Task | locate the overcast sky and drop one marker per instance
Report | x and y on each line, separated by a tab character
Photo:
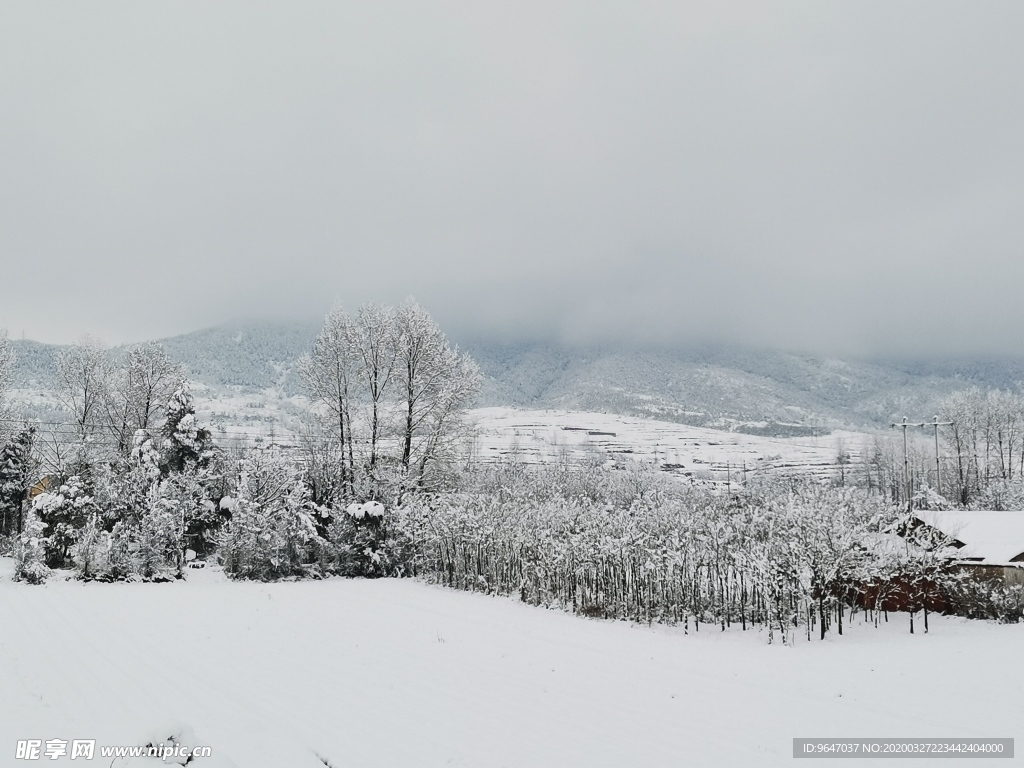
842	177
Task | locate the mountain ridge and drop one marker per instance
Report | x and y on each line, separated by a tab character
764	391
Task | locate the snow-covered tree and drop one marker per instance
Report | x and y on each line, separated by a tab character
323	460
30	551
140	519
829	530
196	492
928	498
921	566
271	533
160	536
64	513
139	391
436	384
329	373
986	439
1000	495
7	359
185	442
388	374
83	379
122	487
373	337
16	469
361	542
147	544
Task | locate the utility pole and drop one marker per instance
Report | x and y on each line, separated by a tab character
906	461
938	478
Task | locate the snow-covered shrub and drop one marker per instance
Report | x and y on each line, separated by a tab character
271	533
928	498
370	511
64	514
980	598
629	545
91	550
136	527
30	552
1006	603
147	548
121	560
1000	495
160	549
362	540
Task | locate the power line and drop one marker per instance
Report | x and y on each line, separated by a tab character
906	459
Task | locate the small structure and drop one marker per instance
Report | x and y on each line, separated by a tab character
43	486
989	543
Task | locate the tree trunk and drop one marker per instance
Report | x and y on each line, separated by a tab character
407	446
821	613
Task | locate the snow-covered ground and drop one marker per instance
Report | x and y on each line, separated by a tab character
398	673
237	416
696	452
548	435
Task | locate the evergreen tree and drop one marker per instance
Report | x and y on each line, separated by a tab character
160	553
185	442
15	474
65	514
196	492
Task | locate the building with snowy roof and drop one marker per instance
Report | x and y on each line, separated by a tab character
990	542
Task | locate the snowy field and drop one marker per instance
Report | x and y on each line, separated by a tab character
237	418
399	673
694	452
537	436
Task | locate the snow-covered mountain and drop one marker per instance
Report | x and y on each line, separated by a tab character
758	391
765	391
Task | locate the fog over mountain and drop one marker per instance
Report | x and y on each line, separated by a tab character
754	390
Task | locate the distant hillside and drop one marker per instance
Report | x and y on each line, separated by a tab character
758	391
35	364
764	391
254	356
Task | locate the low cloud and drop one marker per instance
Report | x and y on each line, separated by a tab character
838	177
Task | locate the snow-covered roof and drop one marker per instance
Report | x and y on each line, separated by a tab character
989	537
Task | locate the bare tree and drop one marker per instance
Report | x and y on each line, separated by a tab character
373	339
986	439
139	391
960	409
83	375
1006	407
7	359
436	381
328	373
323	460
400	364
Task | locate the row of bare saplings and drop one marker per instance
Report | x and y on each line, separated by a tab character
791	562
